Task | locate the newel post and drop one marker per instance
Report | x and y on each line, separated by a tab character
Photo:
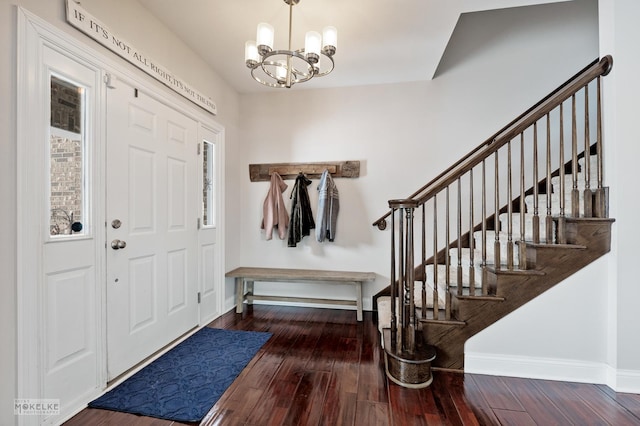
403	328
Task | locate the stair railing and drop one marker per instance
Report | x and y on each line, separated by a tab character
459	262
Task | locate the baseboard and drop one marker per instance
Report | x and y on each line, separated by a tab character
626	381
537	368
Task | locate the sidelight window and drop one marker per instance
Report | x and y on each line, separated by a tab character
208	183
67	151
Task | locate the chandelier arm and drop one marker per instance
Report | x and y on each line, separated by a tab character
265	82
305	76
329	69
299	76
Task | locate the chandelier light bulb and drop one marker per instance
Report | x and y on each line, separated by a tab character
329	40
251	56
264	38
312	42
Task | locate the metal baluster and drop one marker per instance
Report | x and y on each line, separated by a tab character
575	194
536	218
436	307
483	241
521	245
560	232
600	194
410	282
509	210
459	271
401	282
588	195
472	275
496	217
447	258
394	321
423	292
548	221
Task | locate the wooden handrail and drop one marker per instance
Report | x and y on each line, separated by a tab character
597	68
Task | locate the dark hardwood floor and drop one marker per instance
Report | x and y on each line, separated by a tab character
321	367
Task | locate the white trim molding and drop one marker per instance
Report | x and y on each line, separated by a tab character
626	381
558	369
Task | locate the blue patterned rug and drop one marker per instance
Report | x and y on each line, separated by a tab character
183	384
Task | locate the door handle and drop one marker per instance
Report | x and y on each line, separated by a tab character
118	244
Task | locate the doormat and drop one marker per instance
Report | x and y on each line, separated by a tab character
183	384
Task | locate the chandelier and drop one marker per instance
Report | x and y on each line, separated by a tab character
284	68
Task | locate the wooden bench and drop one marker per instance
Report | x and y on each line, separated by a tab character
248	276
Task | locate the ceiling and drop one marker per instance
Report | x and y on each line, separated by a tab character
379	41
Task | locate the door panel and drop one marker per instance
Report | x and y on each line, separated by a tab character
142	203
152	254
142	293
177	273
69	340
177	192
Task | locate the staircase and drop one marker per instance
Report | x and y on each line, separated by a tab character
511	219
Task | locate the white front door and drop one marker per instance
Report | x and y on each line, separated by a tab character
208	236
63	162
152	226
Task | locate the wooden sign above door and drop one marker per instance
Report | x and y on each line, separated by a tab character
83	21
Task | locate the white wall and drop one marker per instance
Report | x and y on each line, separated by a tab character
7	215
601	329
134	24
618	36
497	64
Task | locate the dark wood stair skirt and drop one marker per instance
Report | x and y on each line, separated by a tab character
409	370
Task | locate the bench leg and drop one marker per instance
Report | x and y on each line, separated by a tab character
239	294
250	291
358	300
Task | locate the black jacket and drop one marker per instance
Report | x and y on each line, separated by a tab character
301	221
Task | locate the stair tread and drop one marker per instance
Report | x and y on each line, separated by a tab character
515	235
589	219
441	317
562	246
504	271
477	297
443	321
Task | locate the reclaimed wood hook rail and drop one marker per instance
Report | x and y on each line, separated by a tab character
338	169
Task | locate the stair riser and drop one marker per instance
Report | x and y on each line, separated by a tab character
589	233
528	224
464	309
555	203
490	248
454	276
